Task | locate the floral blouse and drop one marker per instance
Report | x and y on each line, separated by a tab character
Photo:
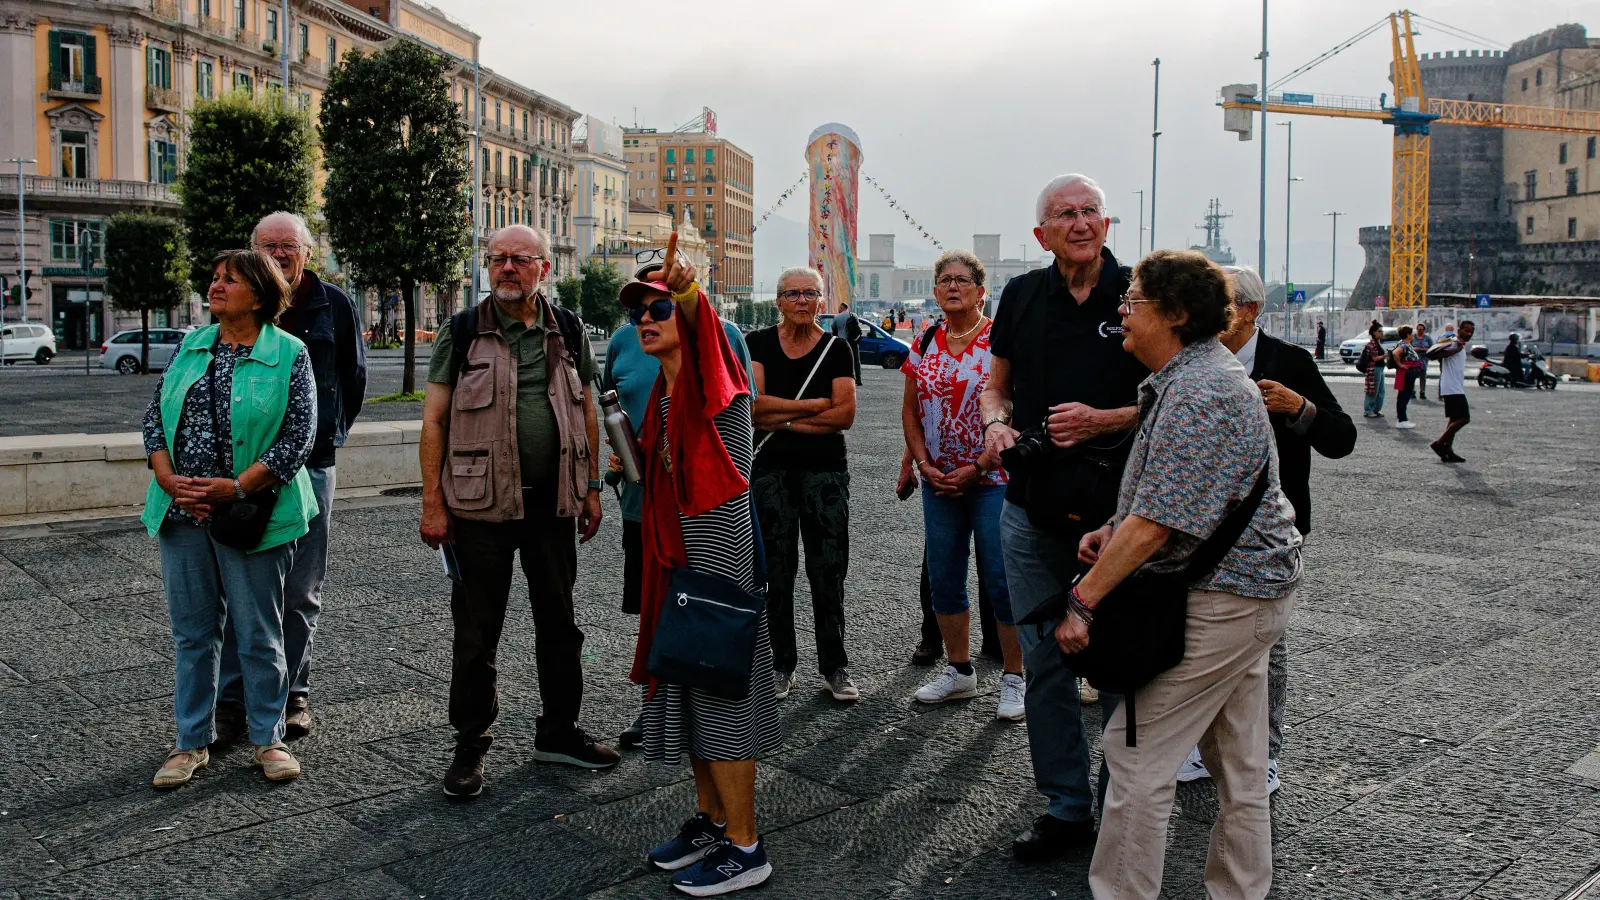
204	448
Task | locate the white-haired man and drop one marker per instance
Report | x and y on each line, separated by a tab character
325	319
1059	372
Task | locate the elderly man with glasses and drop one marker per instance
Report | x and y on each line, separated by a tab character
510	468
325	320
806	399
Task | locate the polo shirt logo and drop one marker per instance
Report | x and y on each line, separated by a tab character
1107	329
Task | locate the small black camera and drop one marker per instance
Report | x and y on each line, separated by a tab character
1031	446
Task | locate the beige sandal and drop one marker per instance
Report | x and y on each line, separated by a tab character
171	774
276	769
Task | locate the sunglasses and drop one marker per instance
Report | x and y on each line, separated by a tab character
659	310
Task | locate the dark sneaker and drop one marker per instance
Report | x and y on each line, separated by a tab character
1051	837
572	746
231	724
296	718
1453	457
695	839
1440	449
842	688
724	870
926	654
633	737
464	778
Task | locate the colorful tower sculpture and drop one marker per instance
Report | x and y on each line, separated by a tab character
834	154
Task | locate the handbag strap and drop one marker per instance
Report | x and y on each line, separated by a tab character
1209	554
765	435
216	426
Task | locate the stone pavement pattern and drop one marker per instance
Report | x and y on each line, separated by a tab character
1444	712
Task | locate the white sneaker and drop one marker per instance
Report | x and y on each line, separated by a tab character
1193	768
1405	424
1272	777
952	685
1086	693
1013	691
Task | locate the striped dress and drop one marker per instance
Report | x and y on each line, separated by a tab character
721	542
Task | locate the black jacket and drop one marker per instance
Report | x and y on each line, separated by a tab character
331	330
1332	434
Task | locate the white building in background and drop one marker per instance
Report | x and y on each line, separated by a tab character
881	284
600	207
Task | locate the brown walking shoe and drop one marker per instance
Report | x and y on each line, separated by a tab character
180	766
296	718
280	767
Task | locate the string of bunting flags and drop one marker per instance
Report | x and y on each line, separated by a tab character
781	197
895	205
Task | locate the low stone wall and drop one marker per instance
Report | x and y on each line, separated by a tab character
72	473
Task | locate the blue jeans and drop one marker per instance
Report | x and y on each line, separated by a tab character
950	525
1373	404
212	588
1039	566
302	599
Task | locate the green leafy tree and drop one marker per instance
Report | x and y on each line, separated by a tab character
247	157
569	291
145	268
602	286
396	198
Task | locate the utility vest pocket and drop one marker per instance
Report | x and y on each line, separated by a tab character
469	474
476	385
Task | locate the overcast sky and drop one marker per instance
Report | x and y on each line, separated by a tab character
966	108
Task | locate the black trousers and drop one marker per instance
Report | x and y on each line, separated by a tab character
855	356
548	549
931	636
792	505
632	566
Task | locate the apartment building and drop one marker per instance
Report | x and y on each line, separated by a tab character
600	210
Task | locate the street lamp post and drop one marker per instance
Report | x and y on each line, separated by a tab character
1333	282
1288	218
1261	245
1141	223
22	253
1155	140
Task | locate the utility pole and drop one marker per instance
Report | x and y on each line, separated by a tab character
1288	218
22	255
1261	244
285	16
1141	223
477	176
1155	140
1333	282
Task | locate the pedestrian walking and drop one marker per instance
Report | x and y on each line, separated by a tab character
805	400
1203	463
227	434
1406	362
847	327
1370	363
697	517
324	319
1061	388
1305	416
1453	389
1423	343
1322	340
631	372
510	469
962	498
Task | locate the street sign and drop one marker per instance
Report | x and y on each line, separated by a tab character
1298	297
1483	301
1380	302
85	251
1298	98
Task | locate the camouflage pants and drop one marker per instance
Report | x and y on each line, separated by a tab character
814	506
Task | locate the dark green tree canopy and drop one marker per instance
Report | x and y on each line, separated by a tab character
145	264
247	157
602	287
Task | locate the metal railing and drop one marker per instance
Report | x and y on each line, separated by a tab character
213	26
313	64
247	37
83	86
90	189
162	9
165	99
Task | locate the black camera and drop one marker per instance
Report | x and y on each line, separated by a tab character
1031	447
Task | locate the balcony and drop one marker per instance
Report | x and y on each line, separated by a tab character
502	181
247	37
213	26
86	87
163	99
669	177
270	48
313	65
708	231
709	178
162	9
91	190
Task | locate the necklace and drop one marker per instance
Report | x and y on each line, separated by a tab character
964	334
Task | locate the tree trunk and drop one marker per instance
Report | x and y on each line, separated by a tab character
408	288
144	341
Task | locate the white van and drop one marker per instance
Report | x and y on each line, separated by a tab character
24	340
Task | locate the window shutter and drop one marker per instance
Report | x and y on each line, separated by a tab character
150	65
150	160
88	42
55	51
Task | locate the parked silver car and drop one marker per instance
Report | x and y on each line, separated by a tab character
121	352
25	340
1349	350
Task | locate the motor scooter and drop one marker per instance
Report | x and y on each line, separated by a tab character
1493	374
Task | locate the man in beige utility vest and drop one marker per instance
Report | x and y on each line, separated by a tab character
509	468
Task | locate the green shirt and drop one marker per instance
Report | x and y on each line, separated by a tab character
537	440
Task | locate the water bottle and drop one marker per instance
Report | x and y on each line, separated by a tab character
620	430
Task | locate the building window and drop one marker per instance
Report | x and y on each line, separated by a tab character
272	25
708	214
671	191
512	167
243	82
1591	150
524	124
65	234
163	162
71	60
688	156
1528	229
74	154
1524	85
652	193
1530	185
1572	182
205	85
710	157
672	211
1562	154
1572	229
303	100
333	51
497	114
872	282
1538	77
158	68
238	13
203	7
689	191
652	157
305	40
671	155
497	161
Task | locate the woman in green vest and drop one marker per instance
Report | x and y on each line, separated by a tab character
235	414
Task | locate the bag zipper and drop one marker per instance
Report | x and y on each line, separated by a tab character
683	600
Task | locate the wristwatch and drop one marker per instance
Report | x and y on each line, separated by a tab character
1003	420
594	484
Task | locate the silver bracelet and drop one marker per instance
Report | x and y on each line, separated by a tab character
238	490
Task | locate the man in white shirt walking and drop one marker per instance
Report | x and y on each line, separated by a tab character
1453	389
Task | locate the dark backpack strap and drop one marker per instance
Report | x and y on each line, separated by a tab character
928	333
1209	554
462	323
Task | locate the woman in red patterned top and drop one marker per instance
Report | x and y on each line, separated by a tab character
947	369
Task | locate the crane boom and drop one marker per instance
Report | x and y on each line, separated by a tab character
1472	113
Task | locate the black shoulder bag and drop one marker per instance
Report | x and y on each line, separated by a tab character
240	524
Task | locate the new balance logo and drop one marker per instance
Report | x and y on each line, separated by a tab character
704	840
730	869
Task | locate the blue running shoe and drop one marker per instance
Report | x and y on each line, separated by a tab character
695	839
724	870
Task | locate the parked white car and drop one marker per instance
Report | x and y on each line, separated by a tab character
1349	350
121	352
25	340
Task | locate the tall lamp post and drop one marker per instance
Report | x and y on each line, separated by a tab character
1288	217
1155	141
1141	223
1261	244
22	258
1333	282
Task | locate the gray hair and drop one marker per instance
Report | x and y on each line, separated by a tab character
1247	285
1061	181
302	231
802	272
539	235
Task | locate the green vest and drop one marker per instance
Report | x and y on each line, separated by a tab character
260	398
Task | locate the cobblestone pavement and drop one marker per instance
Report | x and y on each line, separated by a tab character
1444	704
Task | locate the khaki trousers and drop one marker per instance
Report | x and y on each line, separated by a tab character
1216	698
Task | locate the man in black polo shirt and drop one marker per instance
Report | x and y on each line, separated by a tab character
1059	363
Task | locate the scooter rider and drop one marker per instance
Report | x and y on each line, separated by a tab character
1513	358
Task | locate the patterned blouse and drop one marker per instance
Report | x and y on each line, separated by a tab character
205	448
947	399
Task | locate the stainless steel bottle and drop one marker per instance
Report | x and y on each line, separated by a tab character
620	430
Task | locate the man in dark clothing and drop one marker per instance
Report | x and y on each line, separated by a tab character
1513	358
325	319
1322	340
847	328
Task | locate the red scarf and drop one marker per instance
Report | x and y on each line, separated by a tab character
709	378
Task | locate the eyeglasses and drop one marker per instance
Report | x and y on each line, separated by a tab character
280	247
659	310
1090	214
1128	302
644	256
955	281
520	260
795	296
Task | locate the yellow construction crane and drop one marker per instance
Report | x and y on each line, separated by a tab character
1411	114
